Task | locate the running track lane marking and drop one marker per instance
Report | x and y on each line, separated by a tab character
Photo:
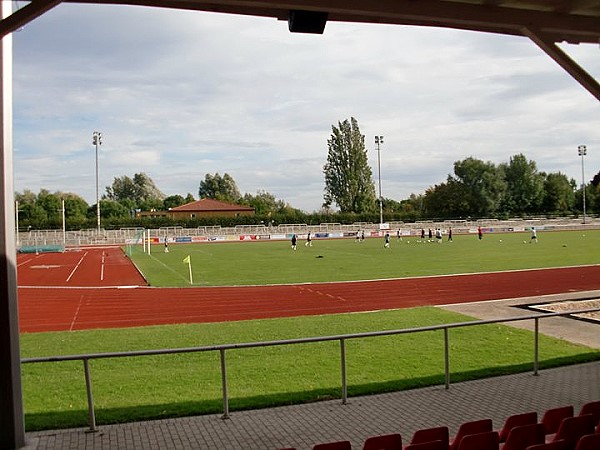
76	313
316	291
77	266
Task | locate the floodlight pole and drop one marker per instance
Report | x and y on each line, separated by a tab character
378	142
582	150
64	228
97	141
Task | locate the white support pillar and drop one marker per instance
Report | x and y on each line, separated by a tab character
12	428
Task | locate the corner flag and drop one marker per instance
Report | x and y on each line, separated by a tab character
188	261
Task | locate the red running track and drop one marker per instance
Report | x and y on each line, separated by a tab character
79	308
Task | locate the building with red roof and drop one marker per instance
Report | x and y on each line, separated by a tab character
206	207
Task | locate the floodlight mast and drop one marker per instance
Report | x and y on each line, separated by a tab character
378	142
582	151
97	141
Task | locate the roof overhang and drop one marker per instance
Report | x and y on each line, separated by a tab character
545	22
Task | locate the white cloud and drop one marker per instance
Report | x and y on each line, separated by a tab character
179	94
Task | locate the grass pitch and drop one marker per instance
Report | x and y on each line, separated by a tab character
259	263
131	389
150	387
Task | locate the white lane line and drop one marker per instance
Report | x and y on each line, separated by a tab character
77	266
102	268
76	313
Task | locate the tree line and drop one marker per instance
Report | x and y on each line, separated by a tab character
475	189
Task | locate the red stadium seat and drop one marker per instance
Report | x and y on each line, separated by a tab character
572	428
556	445
589	442
553	417
525	436
481	441
432	434
592	408
384	442
431	445
517	420
474	427
339	445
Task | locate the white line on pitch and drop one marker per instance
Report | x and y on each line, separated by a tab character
78	264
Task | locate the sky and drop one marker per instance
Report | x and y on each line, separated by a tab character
181	94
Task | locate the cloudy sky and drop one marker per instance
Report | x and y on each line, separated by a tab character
179	94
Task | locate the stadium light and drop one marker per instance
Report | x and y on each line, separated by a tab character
582	150
378	142
97	141
64	228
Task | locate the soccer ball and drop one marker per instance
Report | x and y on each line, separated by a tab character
500	240
524	242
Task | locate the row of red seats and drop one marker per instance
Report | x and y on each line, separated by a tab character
559	429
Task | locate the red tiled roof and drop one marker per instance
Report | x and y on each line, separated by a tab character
208	204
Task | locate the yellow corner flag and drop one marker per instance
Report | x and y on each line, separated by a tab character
188	261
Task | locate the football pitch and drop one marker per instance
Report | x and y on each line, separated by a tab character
153	387
329	260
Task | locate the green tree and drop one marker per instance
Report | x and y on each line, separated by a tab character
348	177
189	198
449	199
50	203
173	201
134	191
219	188
483	186
264	203
524	186
110	209
594	190
559	194
30	212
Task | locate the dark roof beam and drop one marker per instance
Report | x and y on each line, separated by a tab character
26	14
568	64
492	16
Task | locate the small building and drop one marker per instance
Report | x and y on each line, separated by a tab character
206	207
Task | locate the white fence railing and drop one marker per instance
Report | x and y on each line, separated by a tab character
74	239
222	349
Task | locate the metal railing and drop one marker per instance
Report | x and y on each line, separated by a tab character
222	349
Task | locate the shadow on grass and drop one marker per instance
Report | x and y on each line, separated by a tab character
104	416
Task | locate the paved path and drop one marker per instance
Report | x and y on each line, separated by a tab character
302	426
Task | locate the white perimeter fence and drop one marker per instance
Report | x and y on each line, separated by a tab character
222	349
123	236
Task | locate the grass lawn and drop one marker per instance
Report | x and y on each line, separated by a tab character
257	263
130	389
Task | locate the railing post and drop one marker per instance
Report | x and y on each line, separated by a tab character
90	396
224	384
536	346
343	363
446	358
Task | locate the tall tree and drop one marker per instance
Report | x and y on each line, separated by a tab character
483	185
219	188
134	192
173	201
449	199
559	194
348	176
264	203
524	185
